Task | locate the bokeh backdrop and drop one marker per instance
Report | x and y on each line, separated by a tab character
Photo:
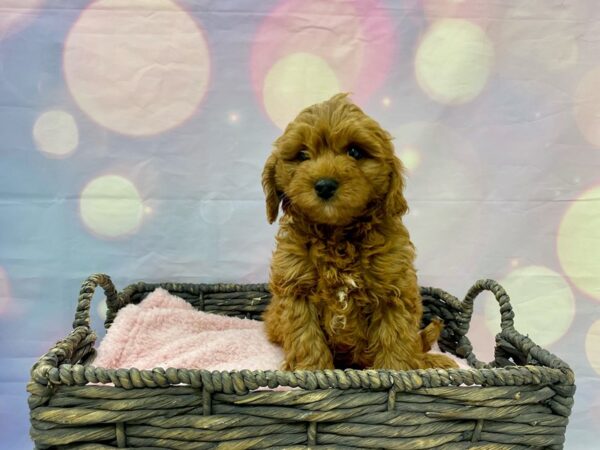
133	133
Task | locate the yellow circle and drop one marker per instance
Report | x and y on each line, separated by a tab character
55	133
592	346
578	242
410	157
453	61
137	67
294	82
110	206
542	301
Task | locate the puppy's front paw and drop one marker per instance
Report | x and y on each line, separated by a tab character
322	362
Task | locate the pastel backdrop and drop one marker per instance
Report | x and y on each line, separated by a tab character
133	134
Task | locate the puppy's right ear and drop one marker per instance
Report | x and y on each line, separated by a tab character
269	187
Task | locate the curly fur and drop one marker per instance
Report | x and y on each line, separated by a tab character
345	290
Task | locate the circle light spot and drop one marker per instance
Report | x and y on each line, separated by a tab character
539	297
592	346
578	242
294	82
410	157
355	38
55	133
453	61
101	309
110	206
136	67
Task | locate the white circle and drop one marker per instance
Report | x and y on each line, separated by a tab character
55	133
592	346
101	309
111	206
542	301
578	242
453	61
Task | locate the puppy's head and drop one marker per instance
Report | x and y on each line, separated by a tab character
332	164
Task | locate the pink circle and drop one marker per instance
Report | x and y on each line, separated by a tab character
356	38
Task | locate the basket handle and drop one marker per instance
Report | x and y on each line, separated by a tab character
506	315
82	315
506	312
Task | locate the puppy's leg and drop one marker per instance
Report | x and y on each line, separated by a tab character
296	327
396	344
393	339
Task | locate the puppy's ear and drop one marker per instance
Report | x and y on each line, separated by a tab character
269	187
395	203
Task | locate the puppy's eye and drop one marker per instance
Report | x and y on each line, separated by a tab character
354	151
302	155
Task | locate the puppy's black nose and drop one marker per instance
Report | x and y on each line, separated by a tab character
326	187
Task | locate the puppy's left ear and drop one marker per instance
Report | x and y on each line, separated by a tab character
395	203
270	188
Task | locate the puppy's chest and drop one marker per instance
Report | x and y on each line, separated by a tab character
336	264
341	292
342	281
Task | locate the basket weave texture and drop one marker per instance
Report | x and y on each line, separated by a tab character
521	400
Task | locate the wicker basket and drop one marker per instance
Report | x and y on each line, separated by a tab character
521	400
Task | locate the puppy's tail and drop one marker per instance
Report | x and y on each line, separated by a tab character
429	336
431	333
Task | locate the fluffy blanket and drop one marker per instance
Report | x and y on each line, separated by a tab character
166	331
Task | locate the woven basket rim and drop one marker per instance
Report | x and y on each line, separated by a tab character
55	368
242	381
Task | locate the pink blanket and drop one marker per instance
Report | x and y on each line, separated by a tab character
166	331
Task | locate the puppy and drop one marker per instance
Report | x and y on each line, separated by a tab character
345	292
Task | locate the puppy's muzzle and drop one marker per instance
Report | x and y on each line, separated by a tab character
326	187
